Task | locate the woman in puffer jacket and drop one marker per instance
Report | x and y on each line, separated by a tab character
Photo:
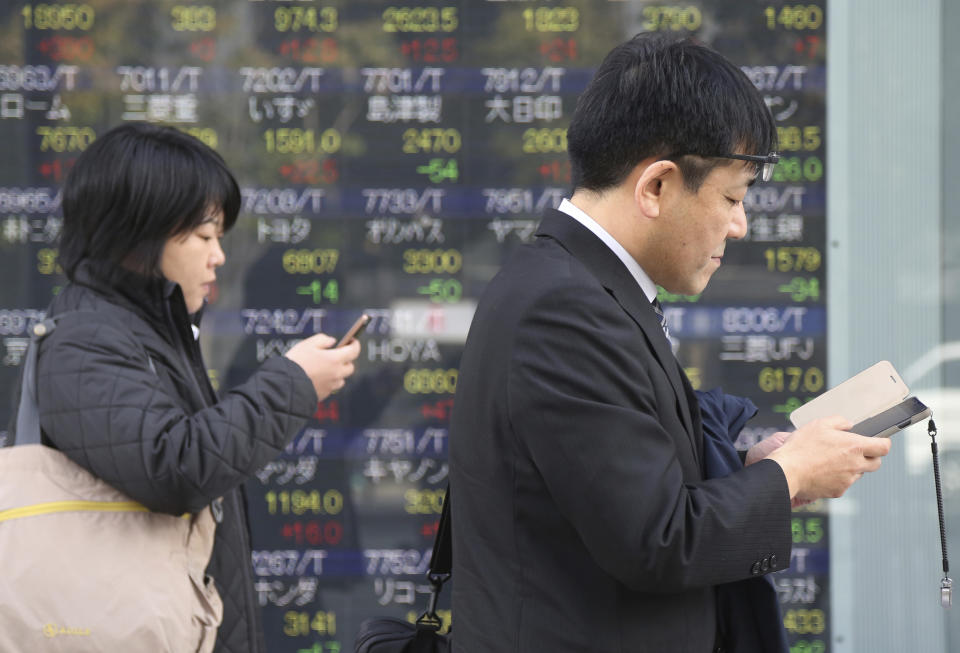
123	390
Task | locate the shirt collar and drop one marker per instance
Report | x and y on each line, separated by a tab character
645	282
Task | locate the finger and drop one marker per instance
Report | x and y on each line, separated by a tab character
323	341
838	422
780	438
349	351
773	441
873	447
338	356
353	349
872	464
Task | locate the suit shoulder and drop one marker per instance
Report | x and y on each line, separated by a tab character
544	265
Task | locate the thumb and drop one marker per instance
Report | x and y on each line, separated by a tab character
322	341
838	422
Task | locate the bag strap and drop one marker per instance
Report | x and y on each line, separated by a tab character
27	430
441	564
28	416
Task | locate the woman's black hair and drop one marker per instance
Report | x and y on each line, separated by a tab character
654	96
134	188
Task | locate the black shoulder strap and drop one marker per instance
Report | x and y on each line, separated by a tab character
440	566
442	560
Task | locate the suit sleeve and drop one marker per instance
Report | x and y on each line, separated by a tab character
102	406
582	403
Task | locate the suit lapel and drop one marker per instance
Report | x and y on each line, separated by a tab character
614	276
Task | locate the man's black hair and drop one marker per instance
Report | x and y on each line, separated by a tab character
135	187
659	97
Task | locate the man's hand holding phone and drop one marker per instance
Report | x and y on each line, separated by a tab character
822	459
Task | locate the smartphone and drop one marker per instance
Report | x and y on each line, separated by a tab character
352	332
861	396
909	411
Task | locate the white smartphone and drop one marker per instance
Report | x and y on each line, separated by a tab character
863	395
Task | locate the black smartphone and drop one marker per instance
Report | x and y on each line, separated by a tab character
354	330
882	425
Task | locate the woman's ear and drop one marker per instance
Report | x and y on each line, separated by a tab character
649	188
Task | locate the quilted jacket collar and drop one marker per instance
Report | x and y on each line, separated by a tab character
148	297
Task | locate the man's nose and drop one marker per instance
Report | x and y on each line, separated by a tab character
738	226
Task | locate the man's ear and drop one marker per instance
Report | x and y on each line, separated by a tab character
648	190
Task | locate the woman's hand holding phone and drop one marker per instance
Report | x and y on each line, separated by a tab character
327	366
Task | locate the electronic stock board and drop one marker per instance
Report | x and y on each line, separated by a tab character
390	156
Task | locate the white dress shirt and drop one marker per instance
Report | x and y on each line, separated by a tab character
646	283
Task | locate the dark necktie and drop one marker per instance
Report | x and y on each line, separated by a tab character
658	308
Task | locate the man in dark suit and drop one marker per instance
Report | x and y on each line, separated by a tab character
582	519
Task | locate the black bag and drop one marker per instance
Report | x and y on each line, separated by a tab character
390	635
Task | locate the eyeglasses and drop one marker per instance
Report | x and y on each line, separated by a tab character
765	164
